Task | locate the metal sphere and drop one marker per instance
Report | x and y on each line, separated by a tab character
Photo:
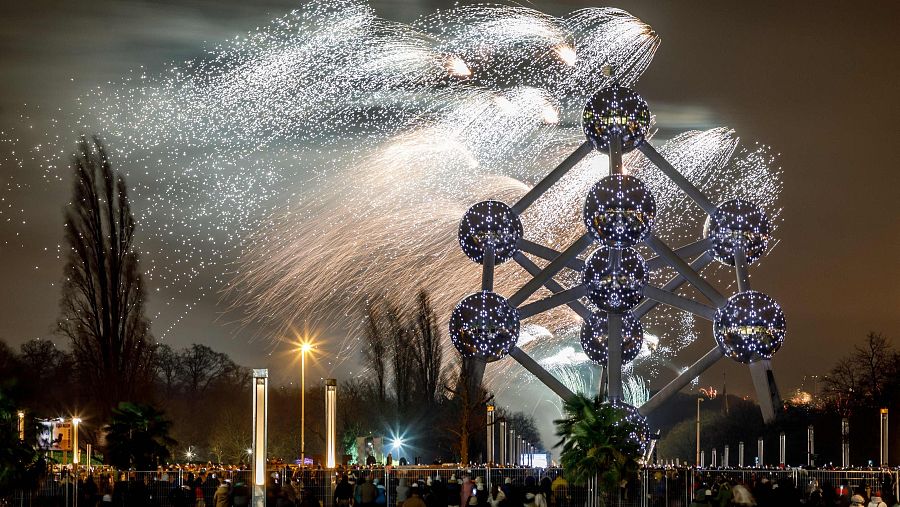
619	210
485	326
490	223
615	287
737	222
595	335
616	110
641	433
750	327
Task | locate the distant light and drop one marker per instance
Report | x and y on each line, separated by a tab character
457	67
249	450
306	347
76	420
566	53
398	442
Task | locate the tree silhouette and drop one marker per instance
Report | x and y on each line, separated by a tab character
103	291
138	437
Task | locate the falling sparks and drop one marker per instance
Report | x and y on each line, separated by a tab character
326	159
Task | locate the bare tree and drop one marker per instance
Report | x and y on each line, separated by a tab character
429	355
864	378
103	291
168	365
200	367
375	350
468	407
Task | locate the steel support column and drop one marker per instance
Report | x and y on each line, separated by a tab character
682	380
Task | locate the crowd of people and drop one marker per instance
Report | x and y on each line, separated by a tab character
452	487
725	491
361	490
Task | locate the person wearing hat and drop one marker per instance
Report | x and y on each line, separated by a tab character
876	500
857	501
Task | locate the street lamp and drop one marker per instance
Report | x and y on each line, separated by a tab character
304	348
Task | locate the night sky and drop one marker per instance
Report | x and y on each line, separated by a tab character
817	81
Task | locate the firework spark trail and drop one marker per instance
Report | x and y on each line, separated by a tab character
389	228
332	153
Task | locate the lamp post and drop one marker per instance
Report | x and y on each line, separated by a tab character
304	348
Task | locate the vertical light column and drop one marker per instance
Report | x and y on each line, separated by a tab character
702	463
740	455
513	458
490	434
810	446
760	454
884	437
502	436
845	443
782	449
521	448
330	422
712	459
76	454
725	456
260	427
21	425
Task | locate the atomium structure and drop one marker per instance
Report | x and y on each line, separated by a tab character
614	292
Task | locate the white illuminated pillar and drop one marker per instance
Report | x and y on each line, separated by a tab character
260	424
884	436
330	422
490	435
502	434
76	454
21	425
760	448
740	455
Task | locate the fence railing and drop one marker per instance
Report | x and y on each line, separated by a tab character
653	486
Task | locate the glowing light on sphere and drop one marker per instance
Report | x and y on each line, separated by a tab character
619	210
595	336
616	110
615	287
490	223
750	327
485	326
738	222
641	433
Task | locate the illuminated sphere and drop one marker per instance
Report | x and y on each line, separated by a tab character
483	325
641	433
619	210
490	223
737	222
595	333
616	110
615	288
750	327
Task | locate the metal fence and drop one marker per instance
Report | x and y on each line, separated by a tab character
654	487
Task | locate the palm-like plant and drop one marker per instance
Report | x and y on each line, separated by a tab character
597	441
138	437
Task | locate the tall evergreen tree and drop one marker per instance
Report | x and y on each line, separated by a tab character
103	291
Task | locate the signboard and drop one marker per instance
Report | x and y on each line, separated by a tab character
55	435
